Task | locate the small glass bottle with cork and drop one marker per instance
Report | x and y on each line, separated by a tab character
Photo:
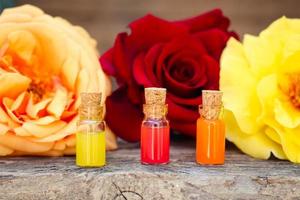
90	136
155	130
210	141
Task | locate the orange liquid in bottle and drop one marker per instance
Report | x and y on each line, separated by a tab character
210	146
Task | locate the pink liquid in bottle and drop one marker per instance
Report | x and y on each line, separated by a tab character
155	145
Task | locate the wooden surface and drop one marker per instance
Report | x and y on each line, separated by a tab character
125	178
105	18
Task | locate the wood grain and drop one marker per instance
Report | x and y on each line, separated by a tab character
124	177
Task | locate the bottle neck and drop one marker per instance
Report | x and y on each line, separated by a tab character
211	112
155	111
91	113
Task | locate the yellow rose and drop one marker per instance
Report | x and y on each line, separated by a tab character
260	79
45	63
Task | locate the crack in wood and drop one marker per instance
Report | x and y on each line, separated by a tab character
262	180
119	189
122	192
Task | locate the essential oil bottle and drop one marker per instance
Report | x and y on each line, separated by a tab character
155	130
90	137
210	145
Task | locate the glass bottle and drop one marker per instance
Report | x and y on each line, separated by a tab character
90	137
155	130
210	144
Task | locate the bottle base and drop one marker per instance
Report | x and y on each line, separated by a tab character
210	163
155	163
90	165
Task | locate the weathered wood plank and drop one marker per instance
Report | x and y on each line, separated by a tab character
240	178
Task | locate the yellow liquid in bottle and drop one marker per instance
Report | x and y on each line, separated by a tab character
90	149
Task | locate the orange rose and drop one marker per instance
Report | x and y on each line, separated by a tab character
45	63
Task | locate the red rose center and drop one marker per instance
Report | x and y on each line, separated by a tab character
182	71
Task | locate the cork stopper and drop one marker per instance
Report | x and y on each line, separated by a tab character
155	106
211	97
91	108
155	111
155	95
211	104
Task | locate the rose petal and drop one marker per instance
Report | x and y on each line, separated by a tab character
5	151
150	30
67	130
19	105
7	103
71	100
121	60
3	50
185	42
245	105
59	145
181	113
211	19
185	47
3	129
123	66
69	72
33	109
87	62
144	34
194	63
58	103
21	144
107	63
273	135
127	128
152	68
44	63
70	140
213	72
183	70
105	85
214	41
70	151
4	118
44	130
44	120
23	43
12	89
286	114
194	101
21	131
25	9
139	71
53	153
111	139
290	143
81	86
179	88
256	144
67	115
256	51
267	91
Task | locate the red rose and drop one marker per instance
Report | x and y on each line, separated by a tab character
182	56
